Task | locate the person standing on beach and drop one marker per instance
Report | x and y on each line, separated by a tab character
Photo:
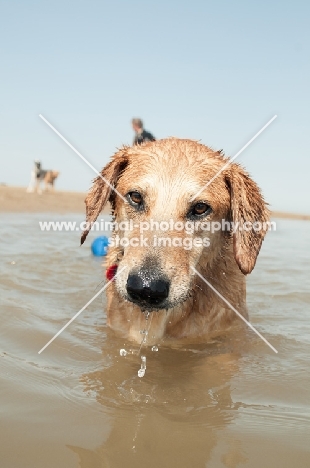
141	135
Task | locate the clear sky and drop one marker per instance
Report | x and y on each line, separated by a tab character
215	71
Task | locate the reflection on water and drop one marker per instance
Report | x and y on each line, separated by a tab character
227	403
171	416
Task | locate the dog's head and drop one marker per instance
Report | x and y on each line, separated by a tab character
37	166
177	204
54	175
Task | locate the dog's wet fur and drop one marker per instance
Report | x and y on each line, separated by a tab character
167	174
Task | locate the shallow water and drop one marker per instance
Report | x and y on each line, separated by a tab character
228	403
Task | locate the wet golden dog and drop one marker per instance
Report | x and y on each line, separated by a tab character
164	183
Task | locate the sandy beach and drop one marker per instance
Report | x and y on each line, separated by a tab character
17	200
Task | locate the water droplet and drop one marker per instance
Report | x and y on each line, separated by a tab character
144	332
141	371
154	348
147	314
122	352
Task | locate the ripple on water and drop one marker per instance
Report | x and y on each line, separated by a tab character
234	384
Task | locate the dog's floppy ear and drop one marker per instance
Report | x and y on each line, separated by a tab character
249	210
102	189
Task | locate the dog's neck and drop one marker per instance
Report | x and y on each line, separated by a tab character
202	313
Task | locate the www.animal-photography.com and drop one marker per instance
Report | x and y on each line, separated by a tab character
155	229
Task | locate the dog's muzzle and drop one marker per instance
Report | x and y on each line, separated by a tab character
147	292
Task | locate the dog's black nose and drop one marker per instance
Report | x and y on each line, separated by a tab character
142	290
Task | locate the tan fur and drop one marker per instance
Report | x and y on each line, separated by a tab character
169	173
50	178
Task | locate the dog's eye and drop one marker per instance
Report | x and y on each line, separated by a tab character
201	209
135	198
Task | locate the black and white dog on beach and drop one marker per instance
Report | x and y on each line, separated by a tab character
39	175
